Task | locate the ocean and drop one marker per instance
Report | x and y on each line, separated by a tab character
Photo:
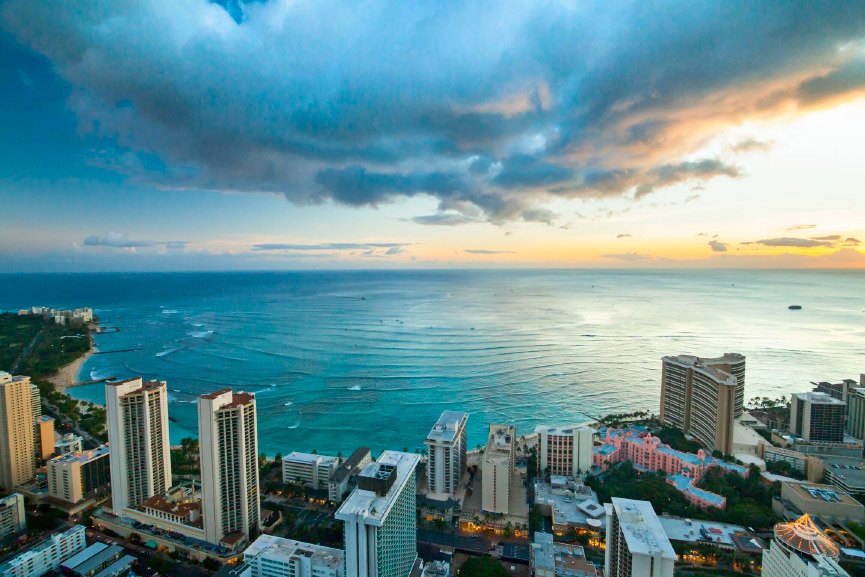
343	359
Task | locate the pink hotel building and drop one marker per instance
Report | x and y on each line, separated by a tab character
647	453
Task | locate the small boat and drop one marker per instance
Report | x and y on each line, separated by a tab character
795	307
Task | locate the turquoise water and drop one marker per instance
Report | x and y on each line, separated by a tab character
343	359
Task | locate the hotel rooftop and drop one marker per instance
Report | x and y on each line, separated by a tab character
279	549
445	429
82	456
499	443
378	485
642	529
309	458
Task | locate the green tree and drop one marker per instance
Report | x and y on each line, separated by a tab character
483	567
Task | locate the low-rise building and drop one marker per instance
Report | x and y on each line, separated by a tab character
721	535
47	555
807	464
550	559
311	470
848	473
270	556
99	560
647	453
344	478
12	517
436	569
827	501
75	476
570	505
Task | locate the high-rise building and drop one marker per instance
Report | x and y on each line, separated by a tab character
228	441
497	469
36	401
17	445
137	414
801	549
856	412
840	390
12	517
44	437
74	476
309	469
270	556
565	451
703	397
47	555
446	453
816	416
636	544
380	519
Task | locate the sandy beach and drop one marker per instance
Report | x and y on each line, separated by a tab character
69	375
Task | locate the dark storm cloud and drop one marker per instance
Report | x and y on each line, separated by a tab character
490	108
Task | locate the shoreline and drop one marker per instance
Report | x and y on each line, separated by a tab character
69	375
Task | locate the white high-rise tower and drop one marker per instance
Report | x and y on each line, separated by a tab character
380	518
446	453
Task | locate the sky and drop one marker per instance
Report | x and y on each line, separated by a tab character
295	134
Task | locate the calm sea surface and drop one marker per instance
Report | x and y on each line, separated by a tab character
342	359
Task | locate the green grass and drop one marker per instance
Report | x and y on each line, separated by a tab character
15	334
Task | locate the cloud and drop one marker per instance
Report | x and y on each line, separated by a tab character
852	241
670	174
118	240
827	237
717	246
752	145
486	251
330	246
444	219
624	235
801	227
489	115
791	242
628	256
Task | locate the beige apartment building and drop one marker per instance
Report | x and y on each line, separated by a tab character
137	413
703	397
17	443
74	476
227	433
497	469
